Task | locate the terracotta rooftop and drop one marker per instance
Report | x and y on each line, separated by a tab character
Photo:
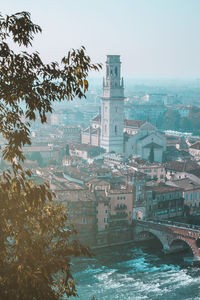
96	118
196	146
196	172
98	181
133	123
162	189
181	166
85	147
186	183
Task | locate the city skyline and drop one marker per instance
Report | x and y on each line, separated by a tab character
154	38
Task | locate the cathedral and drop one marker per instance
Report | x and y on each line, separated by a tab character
109	130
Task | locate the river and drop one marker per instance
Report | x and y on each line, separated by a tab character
136	272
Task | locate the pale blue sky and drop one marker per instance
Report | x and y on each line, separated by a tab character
155	38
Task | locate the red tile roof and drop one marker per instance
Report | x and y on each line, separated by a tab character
181	166
133	123
162	189
196	146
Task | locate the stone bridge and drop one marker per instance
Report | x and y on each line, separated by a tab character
174	237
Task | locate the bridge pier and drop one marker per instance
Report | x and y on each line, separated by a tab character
166	249
196	261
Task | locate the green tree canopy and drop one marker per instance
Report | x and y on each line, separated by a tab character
170	120
36	241
151	154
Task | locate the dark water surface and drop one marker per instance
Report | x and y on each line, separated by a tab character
136	272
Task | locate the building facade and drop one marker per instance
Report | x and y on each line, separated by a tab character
147	142
164	202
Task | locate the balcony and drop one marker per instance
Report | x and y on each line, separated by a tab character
120	216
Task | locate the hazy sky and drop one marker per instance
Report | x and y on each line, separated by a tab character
155	38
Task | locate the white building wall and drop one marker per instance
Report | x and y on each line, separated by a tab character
136	145
112	107
85	138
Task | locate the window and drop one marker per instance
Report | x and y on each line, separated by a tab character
191	197
116	71
106	211
106	220
107	71
186	197
84	221
105	128
195	195
115	129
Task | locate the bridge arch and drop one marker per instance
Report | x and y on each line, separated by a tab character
143	234
180	243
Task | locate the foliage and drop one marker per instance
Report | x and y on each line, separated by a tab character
25	78
171	119
36	239
35	242
151	154
193	119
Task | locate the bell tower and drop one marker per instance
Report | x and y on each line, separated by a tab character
112	107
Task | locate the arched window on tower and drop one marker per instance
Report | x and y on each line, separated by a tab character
116	71
115	129
107	71
105	129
